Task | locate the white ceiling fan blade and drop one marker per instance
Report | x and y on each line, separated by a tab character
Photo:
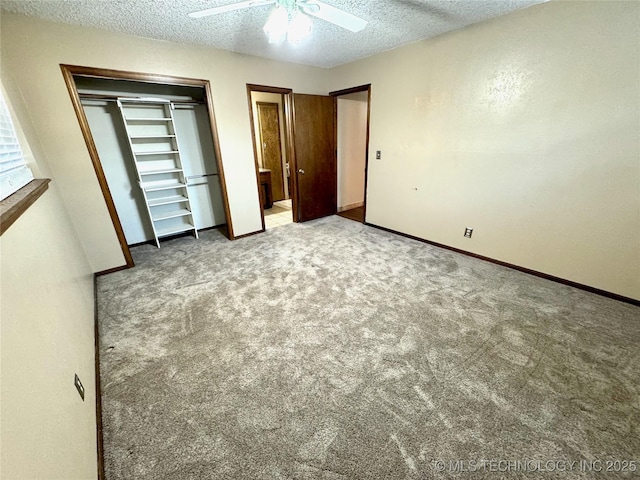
231	7
334	15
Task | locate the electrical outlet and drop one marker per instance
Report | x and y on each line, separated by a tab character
79	387
468	232
378	154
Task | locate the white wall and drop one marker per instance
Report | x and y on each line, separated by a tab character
525	128
271	98
46	336
352	148
32	50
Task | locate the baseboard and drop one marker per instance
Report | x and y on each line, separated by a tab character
529	271
96	335
249	234
112	270
215	227
350	206
146	242
177	235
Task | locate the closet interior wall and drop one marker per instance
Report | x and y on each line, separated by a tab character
196	147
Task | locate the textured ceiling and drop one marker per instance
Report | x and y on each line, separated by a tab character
392	23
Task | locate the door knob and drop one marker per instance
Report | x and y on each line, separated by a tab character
301	171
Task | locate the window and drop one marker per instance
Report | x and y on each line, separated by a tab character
14	173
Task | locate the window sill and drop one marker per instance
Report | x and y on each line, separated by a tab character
16	204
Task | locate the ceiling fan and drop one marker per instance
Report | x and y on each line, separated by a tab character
289	20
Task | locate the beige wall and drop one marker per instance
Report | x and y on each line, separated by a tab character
271	98
525	128
351	148
32	51
46	336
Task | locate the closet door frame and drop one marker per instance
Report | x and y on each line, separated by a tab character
71	71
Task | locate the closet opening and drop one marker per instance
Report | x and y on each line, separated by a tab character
270	110
352	108
154	146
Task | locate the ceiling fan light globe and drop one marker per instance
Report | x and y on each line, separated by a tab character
277	38
299	27
277	25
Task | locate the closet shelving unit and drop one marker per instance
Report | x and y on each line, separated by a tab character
150	127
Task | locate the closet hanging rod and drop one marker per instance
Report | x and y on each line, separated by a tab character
113	98
193	177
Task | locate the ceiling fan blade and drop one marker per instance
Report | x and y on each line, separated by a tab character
231	7
333	15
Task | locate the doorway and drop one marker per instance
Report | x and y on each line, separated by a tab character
310	149
271	121
352	141
174	90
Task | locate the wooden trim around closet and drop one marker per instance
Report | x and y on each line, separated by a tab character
69	71
218	152
109	74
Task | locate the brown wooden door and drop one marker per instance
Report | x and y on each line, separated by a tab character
271	146
314	131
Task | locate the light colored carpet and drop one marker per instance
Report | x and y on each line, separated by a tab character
331	350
